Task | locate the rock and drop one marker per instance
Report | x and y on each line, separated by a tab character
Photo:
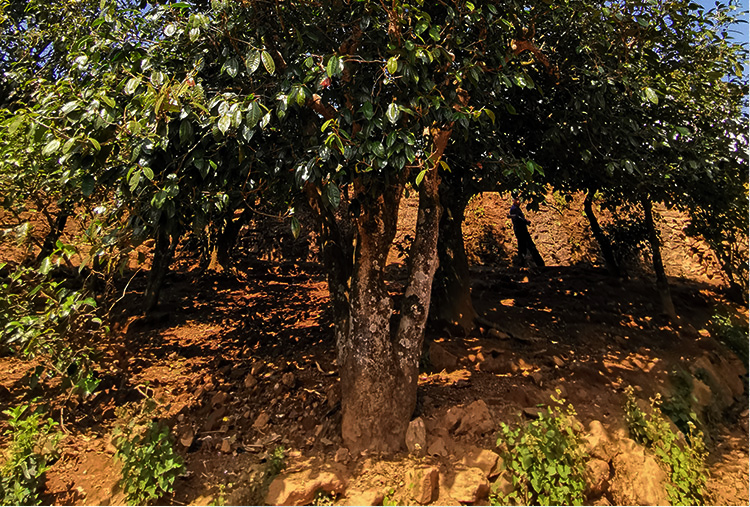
533	412
422	483
299	488
476	419
441	358
187	437
219	398
497	364
342	455
372	497
469	486
538	378
214	418
257	368
416	437
701	394
250	382
597	477
558	362
503	485
260	421
288	379
487	461
598	442
638	479
437	448
226	445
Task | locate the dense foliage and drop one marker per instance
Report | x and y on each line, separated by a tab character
163	120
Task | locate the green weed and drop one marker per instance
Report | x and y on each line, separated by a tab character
686	461
276	462
545	459
734	335
149	463
28	456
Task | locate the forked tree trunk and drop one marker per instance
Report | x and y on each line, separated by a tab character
604	245
662	284
378	356
451	291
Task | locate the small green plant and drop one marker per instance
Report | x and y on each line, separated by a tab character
686	461
734	335
545	458
389	499
276	461
28	456
149	463
324	498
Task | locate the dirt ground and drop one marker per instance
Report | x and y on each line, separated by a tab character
241	363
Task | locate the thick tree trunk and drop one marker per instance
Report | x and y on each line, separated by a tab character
451	291
662	284
164	249
379	363
604	244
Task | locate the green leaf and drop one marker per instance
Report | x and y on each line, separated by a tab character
420	176
134	179
231	67
68	108
51	147
132	85
268	63
335	66
186	131
296	227
95	144
224	123
393	113
651	95
333	194
87	185
254	115
252	62
392	65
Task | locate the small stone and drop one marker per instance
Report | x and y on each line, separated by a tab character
469	486
483	459
422	484
288	380
373	497
300	488
532	412
187	437
250	382
219	398
537	377
226	446
261	420
597	477
416	437
437	448
342	455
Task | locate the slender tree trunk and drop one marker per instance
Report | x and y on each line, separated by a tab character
662	284
451	291
56	229
604	244
164	249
